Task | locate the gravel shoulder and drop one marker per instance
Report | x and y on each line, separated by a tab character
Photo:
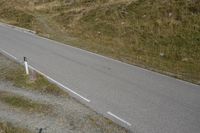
67	114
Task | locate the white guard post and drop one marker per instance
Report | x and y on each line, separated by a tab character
26	65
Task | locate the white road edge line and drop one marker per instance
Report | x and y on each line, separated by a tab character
127	123
61	85
56	82
12	56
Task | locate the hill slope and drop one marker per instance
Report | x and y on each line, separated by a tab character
159	35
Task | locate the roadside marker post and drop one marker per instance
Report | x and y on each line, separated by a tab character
26	66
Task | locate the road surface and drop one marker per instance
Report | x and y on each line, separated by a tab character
140	100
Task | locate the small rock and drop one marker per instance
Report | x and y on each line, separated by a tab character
170	14
162	54
185	59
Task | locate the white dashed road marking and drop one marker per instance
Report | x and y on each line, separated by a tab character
113	115
51	79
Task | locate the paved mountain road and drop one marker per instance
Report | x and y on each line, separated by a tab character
141	100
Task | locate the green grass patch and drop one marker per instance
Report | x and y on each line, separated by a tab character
11	71
23	103
20	79
9	128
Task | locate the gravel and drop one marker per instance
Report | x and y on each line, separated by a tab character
67	115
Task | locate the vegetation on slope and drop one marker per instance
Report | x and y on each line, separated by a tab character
159	35
23	103
13	72
9	128
13	15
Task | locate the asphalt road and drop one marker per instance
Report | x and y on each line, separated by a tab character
141	100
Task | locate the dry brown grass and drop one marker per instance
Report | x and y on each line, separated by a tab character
6	127
159	35
23	103
14	73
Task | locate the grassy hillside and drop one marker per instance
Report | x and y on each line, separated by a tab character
159	35
13	12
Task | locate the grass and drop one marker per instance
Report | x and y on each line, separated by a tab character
15	16
163	36
10	71
13	72
140	31
23	103
40	84
9	128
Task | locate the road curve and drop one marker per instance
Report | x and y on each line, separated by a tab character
141	100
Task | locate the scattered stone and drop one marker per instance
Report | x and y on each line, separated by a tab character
170	14
185	59
162	54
